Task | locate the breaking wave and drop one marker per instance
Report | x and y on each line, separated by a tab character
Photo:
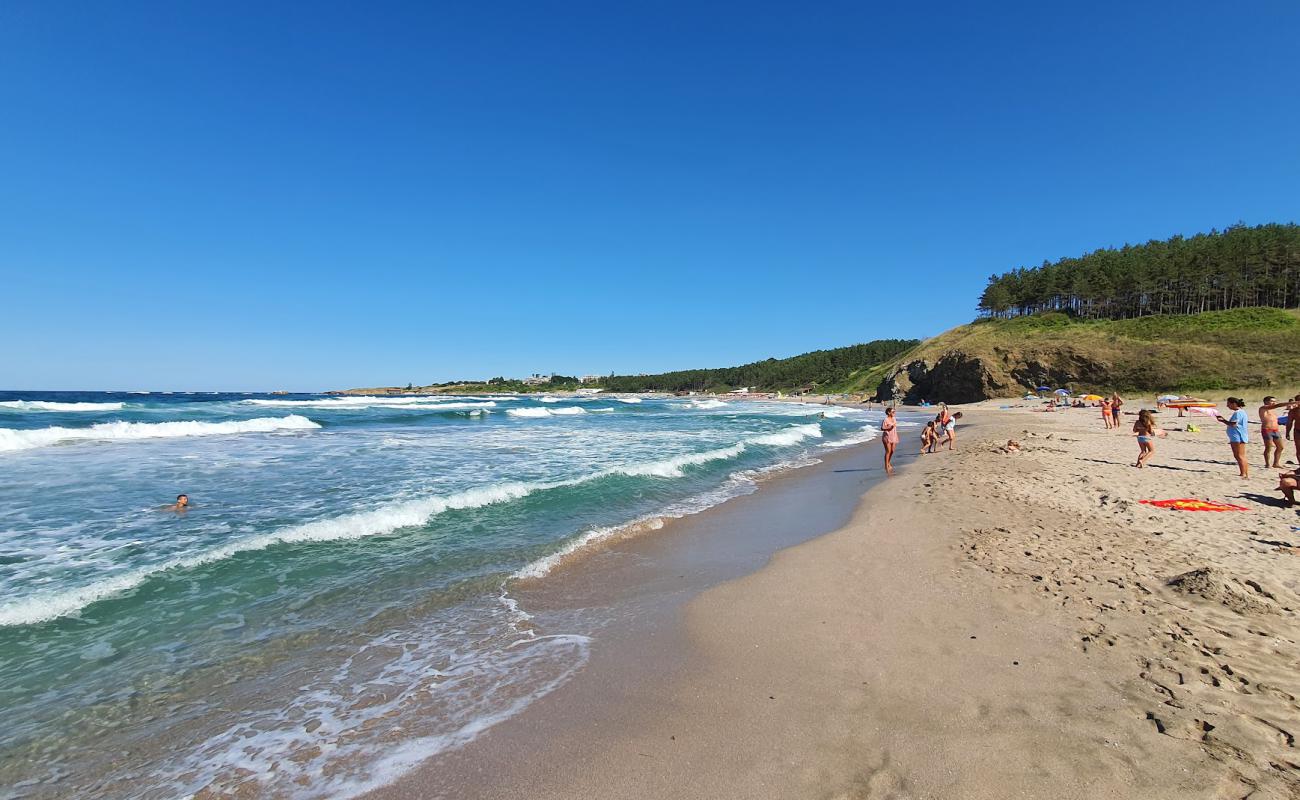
11	439
50	405
385	519
546	412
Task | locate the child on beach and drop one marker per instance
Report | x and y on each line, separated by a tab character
929	437
1146	432
889	437
1238	435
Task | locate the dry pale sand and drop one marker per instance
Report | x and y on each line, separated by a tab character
989	625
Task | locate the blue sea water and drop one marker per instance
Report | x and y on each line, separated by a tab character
336	604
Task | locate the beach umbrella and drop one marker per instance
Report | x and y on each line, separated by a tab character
1162	398
1091	398
1062	392
1044	388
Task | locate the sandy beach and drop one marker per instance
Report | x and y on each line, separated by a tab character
985	625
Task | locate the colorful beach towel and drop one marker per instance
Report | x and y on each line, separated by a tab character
1188	504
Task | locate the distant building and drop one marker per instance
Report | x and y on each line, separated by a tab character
589	378
537	379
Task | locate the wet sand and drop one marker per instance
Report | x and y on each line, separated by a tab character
983	625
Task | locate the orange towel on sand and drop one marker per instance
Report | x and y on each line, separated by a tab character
1187	504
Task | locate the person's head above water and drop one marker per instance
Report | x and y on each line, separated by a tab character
182	500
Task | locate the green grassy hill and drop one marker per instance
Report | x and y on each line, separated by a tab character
1246	347
818	369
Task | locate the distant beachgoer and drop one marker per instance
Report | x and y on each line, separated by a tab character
1105	414
1271	432
182	503
890	439
1146	431
1238	434
1115	403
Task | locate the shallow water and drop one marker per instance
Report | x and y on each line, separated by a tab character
336	605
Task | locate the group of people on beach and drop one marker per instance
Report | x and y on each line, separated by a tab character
1237	424
937	432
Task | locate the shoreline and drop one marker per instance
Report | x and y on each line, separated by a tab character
649	579
939	645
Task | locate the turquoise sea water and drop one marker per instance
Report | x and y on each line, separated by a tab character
336	605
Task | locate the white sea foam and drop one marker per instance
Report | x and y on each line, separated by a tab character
338	403
11	439
867	434
542	566
789	436
708	404
382	520
385	519
672	467
529	412
440	689
546	412
628	399
50	405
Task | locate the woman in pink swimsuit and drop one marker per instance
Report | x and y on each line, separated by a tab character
889	431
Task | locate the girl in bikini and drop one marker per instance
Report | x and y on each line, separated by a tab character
1146	431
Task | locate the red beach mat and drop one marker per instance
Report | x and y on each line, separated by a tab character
1188	504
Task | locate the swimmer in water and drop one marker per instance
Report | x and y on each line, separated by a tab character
182	503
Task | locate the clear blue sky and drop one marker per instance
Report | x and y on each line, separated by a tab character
315	195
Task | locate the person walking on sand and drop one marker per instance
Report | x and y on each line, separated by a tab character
1238	435
1105	414
1115	403
889	437
950	431
1146	432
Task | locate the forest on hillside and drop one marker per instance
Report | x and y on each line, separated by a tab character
1234	268
819	368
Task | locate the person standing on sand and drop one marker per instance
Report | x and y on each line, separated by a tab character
889	437
1293	423
1105	413
1238	435
1271	432
1115	402
1146	432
